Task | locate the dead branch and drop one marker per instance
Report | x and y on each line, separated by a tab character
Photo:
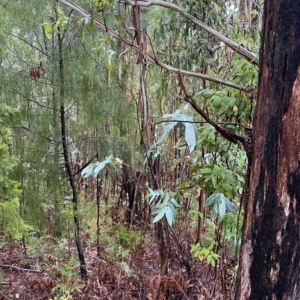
19	269
4	296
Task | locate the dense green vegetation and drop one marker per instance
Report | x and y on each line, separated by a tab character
122	131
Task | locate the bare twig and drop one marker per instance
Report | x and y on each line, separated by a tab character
19	269
31	45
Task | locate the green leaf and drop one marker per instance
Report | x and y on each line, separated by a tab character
222	209
99	167
157	209
231	101
209	259
214	180
205	171
87	171
169	215
216	101
151	193
60	11
166	207
166	130
174	202
211	200
154	194
47	30
172	207
159	216
190	129
230	206
214	212
190	136
219	204
166	199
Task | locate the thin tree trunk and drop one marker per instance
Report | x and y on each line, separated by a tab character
70	174
99	184
83	270
201	202
56	131
270	256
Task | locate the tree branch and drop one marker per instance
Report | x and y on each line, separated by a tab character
230	43
31	45
232	137
202	122
152	58
19	269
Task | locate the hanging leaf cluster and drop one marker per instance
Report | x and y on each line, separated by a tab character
165	205
219	204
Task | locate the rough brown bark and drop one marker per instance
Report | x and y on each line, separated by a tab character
270	256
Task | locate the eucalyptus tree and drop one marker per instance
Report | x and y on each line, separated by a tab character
270	252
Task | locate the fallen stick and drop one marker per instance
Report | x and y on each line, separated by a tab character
4	296
19	269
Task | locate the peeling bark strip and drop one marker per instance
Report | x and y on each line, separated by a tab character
272	213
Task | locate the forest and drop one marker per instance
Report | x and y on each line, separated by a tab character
149	149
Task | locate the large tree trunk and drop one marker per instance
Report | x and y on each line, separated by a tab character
270	257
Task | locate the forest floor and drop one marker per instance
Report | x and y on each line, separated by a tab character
47	270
